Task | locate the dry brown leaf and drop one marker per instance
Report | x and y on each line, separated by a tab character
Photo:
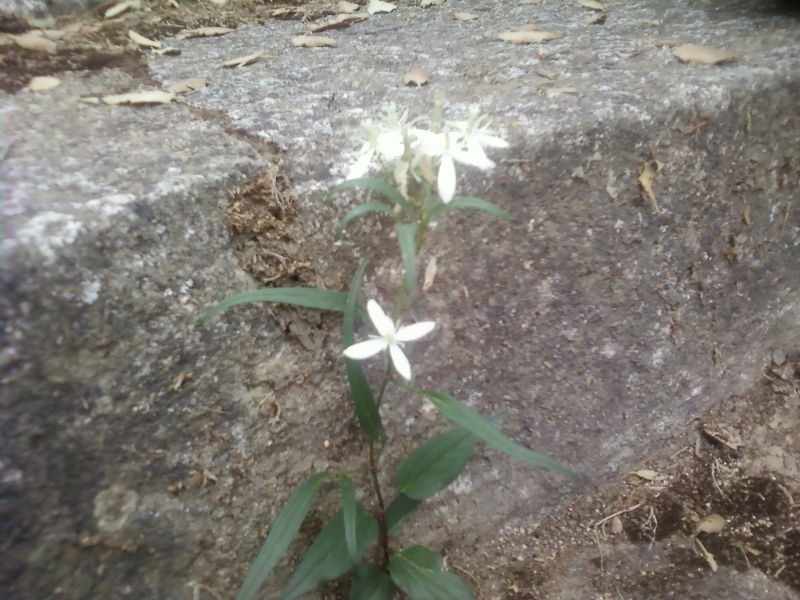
241	61
616	525
286	11
597	19
724	435
53	34
529	1
143	97
34	41
379	6
710	524
647	174
430	274
121	7
337	22
528	27
464	16
202	32
312	41
647	474
529	37
428	3
346	7
593	4
140	40
187	85
701	55
168	51
44	83
709	558
418	77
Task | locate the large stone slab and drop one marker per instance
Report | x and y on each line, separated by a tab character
145	456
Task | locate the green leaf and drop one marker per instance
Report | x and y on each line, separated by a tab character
375	185
349	515
363	209
399	510
281	534
472	421
406	238
472	202
308	297
366	407
435	464
417	571
371	583
328	558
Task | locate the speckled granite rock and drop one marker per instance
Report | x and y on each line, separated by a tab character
145	456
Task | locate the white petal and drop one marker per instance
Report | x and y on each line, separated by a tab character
383	324
365	349
400	361
473	156
409	333
401	177
491	141
447	179
361	166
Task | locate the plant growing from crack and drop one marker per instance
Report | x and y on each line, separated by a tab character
412	195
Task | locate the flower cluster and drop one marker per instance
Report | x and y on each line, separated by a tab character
409	151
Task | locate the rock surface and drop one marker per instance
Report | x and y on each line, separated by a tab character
145	455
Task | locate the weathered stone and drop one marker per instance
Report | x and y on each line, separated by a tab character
146	454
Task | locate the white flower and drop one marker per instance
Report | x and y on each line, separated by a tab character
475	136
386	141
389	337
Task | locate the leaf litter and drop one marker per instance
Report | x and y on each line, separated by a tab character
379	6
338	22
696	54
529	37
142	97
43	83
313	41
242	61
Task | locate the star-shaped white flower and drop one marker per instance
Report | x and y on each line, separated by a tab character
389	338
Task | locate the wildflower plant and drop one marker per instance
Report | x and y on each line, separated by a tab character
417	181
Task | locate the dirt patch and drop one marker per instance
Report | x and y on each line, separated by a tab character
266	236
725	497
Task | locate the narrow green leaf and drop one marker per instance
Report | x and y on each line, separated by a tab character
281	534
469	419
376	185
472	202
406	238
417	571
435	464
399	510
366	208
328	558
371	583
308	297
366	407
349	515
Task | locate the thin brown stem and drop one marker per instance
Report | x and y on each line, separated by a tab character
383	530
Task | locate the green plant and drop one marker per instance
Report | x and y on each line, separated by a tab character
412	196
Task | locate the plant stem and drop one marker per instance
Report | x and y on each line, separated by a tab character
383	530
